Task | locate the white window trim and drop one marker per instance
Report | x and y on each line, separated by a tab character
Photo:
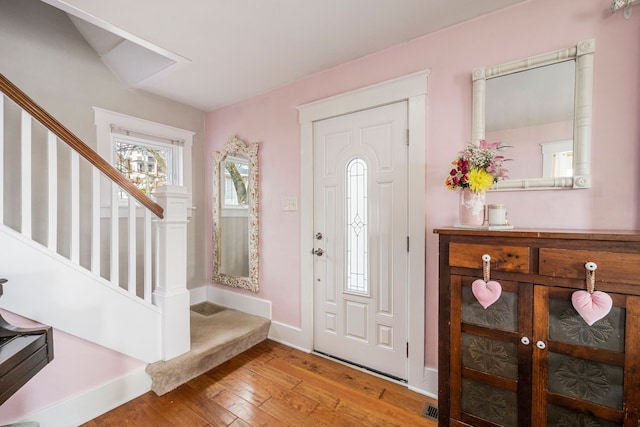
106	120
548	151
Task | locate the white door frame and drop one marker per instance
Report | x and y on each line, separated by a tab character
412	88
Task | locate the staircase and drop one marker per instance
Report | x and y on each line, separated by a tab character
73	263
114	279
88	270
70	265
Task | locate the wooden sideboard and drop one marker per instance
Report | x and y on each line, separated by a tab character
529	359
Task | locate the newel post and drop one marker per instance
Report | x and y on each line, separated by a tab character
171	294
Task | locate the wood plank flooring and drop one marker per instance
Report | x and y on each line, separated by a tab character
275	385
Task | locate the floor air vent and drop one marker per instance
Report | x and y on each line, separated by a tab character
430	411
207	309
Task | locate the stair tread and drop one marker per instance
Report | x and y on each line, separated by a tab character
214	340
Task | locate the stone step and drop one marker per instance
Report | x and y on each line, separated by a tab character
217	335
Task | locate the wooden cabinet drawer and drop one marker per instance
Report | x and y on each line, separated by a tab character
569	263
514	259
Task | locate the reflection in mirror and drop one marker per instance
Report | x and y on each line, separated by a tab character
540	106
557	159
235	215
527	109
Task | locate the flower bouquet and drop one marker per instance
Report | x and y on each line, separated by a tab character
475	170
478	167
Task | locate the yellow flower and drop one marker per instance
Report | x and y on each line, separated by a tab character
480	180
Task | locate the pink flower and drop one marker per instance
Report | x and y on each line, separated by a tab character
491	146
474	158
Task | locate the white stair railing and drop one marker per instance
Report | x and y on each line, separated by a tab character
125	218
140	249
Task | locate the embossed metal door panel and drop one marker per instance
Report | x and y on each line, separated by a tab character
580	370
490	374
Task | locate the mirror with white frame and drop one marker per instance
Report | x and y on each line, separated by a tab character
235	215
541	107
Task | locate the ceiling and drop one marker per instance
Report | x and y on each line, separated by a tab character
212	53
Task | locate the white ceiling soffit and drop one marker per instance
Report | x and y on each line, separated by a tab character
213	53
130	62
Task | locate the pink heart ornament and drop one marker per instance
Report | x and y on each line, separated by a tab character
486	292
592	307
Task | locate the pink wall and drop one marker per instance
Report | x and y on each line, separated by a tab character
71	373
529	28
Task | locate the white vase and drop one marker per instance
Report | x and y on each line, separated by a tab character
471	207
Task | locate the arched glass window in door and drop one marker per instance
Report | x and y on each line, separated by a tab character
357	250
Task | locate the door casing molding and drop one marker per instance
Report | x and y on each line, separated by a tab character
413	89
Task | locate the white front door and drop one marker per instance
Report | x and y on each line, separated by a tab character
361	243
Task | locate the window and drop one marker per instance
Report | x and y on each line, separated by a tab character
146	163
150	154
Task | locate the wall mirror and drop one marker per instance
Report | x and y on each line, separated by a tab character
541	107
235	215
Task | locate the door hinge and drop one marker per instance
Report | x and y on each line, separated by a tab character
407	349
407	137
407	243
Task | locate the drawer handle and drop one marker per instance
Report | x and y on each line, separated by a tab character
486	267
591	266
541	345
525	340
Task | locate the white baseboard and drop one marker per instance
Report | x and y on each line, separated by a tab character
197	295
289	336
238	301
279	332
430	383
85	407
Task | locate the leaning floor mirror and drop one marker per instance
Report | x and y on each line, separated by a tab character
235	215
541	107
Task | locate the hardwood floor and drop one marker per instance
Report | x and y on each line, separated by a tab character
275	385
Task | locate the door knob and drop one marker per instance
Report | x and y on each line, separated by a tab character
318	252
